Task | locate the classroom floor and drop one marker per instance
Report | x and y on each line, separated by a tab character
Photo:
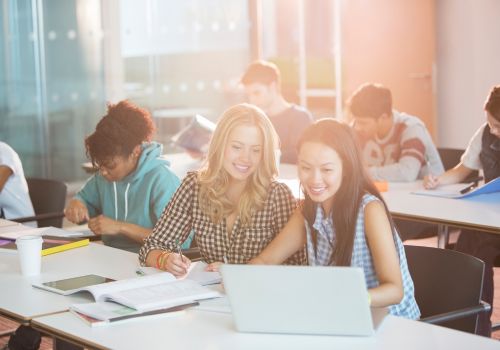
6	324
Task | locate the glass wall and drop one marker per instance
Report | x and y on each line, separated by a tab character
51	78
61	61
183	57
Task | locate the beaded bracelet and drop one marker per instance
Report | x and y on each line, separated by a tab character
161	258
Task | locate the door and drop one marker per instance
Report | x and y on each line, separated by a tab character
392	42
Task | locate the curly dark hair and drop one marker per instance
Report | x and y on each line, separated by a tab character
118	132
492	104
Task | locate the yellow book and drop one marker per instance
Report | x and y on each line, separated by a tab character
52	244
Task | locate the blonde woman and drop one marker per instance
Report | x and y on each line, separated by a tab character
233	204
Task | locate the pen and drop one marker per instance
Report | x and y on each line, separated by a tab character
472	185
179	250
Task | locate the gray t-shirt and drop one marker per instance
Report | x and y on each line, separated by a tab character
289	125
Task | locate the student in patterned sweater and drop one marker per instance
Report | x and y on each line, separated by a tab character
233	204
396	146
343	220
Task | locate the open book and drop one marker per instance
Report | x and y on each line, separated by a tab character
106	313
145	293
18	230
453	191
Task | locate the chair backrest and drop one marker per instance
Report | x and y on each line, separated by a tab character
47	196
451	157
446	280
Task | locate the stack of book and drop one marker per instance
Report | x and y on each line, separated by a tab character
54	239
159	294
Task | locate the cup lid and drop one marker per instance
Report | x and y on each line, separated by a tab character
28	238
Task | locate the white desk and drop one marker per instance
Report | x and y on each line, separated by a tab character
208	330
192	329
21	302
478	213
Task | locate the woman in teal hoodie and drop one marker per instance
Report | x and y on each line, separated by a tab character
125	198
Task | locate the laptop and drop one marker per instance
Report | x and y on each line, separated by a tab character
300	300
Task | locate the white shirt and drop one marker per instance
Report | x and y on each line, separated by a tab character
14	197
470	158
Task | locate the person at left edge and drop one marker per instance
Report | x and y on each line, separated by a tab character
125	198
15	200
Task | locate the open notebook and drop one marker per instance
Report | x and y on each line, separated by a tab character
454	190
300	300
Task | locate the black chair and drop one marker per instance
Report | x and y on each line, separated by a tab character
48	198
448	286
451	157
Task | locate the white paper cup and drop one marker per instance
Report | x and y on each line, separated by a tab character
29	249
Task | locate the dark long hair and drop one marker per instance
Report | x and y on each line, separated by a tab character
355	183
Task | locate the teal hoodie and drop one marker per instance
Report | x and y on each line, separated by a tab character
139	198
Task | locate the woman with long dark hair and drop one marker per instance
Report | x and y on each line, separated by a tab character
343	219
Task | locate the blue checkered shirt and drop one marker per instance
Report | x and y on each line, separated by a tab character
361	256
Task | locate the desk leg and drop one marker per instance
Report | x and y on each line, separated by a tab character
443	235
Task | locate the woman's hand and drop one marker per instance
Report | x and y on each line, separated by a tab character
431	181
176	264
76	212
214	267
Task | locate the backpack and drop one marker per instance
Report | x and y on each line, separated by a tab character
25	338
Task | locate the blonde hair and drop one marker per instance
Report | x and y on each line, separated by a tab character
214	179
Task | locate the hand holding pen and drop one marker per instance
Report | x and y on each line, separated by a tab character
176	263
431	181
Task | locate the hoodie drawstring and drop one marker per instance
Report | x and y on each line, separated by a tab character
116	201
126	201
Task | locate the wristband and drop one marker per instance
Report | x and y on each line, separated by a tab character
160	259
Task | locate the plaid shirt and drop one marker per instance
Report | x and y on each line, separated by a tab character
183	214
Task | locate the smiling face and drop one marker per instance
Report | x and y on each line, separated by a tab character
243	151
320	172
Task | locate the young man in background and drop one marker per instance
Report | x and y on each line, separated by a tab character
262	82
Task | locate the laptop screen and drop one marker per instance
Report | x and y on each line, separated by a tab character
298	299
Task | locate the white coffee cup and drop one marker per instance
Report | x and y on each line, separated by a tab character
29	249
